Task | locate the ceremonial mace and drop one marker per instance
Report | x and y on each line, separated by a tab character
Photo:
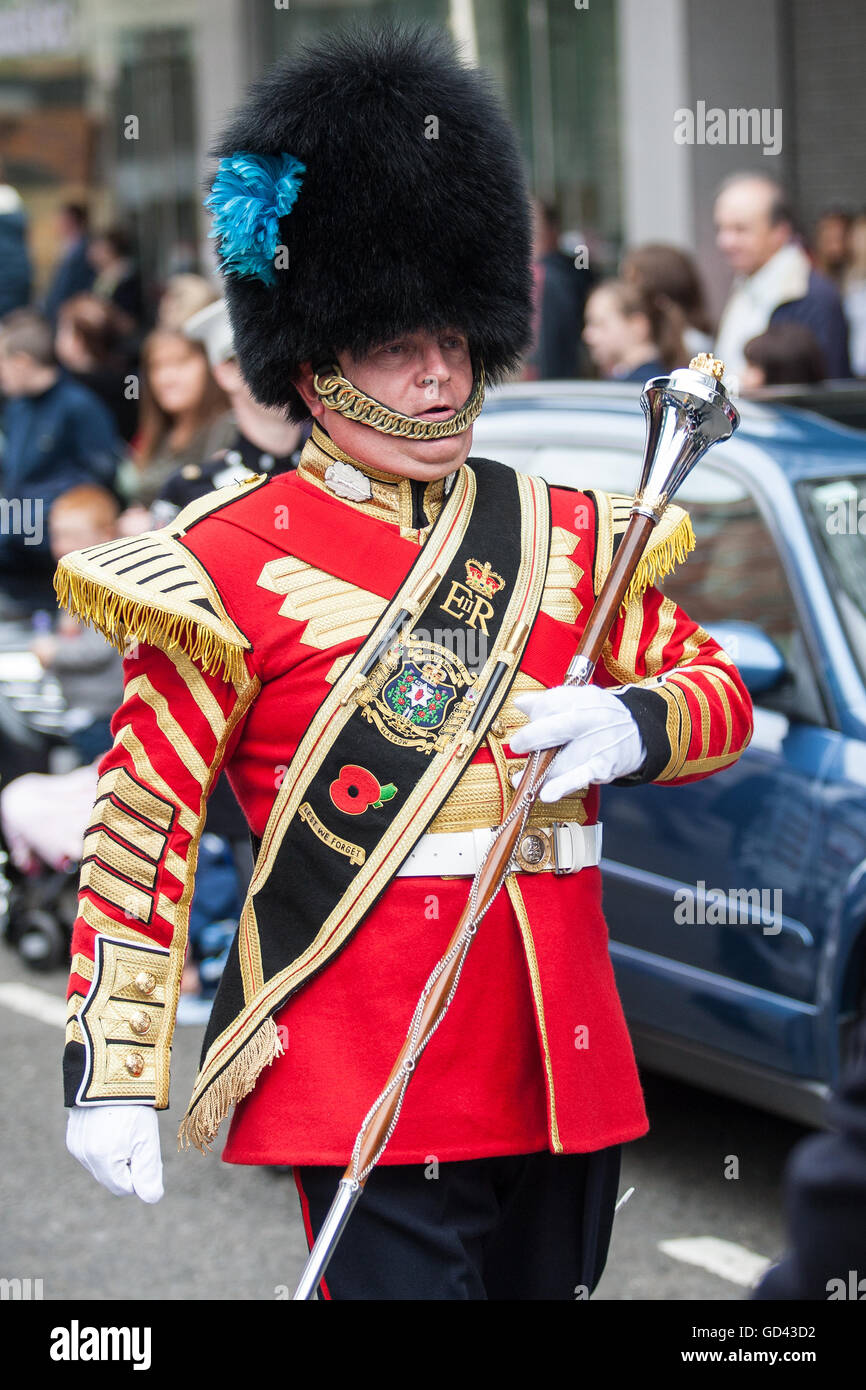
686	413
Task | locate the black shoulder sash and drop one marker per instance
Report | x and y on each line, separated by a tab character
378	759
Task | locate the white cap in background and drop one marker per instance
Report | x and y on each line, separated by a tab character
211	327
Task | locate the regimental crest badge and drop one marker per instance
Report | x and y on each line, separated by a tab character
422	696
425	695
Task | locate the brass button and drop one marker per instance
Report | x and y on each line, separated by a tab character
139	1021
134	1063
145	982
497	728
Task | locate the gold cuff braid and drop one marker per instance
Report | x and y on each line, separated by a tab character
339	394
126	1025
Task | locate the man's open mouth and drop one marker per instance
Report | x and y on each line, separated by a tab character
436	412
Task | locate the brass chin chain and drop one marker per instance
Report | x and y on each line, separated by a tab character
339	394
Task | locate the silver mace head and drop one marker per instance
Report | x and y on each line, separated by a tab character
686	413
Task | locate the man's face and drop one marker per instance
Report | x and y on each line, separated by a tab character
425	375
744	233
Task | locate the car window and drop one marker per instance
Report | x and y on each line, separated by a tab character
734	573
837	511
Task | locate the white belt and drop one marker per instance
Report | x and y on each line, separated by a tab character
562	847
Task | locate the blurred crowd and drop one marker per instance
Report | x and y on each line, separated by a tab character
796	313
105	383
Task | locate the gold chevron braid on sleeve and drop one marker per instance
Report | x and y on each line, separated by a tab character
150	588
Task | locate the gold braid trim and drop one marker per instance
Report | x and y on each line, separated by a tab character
339	394
122	620
200	1124
658	560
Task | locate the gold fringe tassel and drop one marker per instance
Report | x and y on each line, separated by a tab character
661	559
204	1117
121	620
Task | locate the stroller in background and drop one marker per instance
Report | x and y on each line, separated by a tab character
37	908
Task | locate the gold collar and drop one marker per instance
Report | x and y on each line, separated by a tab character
391	497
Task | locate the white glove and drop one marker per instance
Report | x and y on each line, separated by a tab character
601	738
119	1146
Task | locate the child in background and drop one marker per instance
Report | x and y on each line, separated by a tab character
43	817
787	355
632	334
88	670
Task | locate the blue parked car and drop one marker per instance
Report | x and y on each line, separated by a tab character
737	904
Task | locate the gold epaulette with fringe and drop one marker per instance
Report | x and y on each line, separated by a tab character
151	588
670	543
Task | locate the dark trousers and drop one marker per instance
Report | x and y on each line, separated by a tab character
532	1226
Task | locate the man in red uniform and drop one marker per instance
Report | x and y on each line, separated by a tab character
359	644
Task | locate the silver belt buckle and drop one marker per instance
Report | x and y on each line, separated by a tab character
534	851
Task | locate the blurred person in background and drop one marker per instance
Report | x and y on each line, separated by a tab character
776	282
854	292
92	345
117	278
184	294
89	671
265	441
830	244
58	434
632	335
672	276
560	292
15	268
789	354
184	418
73	272
44	816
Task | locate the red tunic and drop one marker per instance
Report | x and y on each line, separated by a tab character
534	1051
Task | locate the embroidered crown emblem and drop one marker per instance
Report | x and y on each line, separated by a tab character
433	673
483	578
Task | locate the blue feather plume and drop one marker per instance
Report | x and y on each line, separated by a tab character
249	195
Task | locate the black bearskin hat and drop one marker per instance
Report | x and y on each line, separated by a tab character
411	211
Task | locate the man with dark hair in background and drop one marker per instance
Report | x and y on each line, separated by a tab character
560	292
776	282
